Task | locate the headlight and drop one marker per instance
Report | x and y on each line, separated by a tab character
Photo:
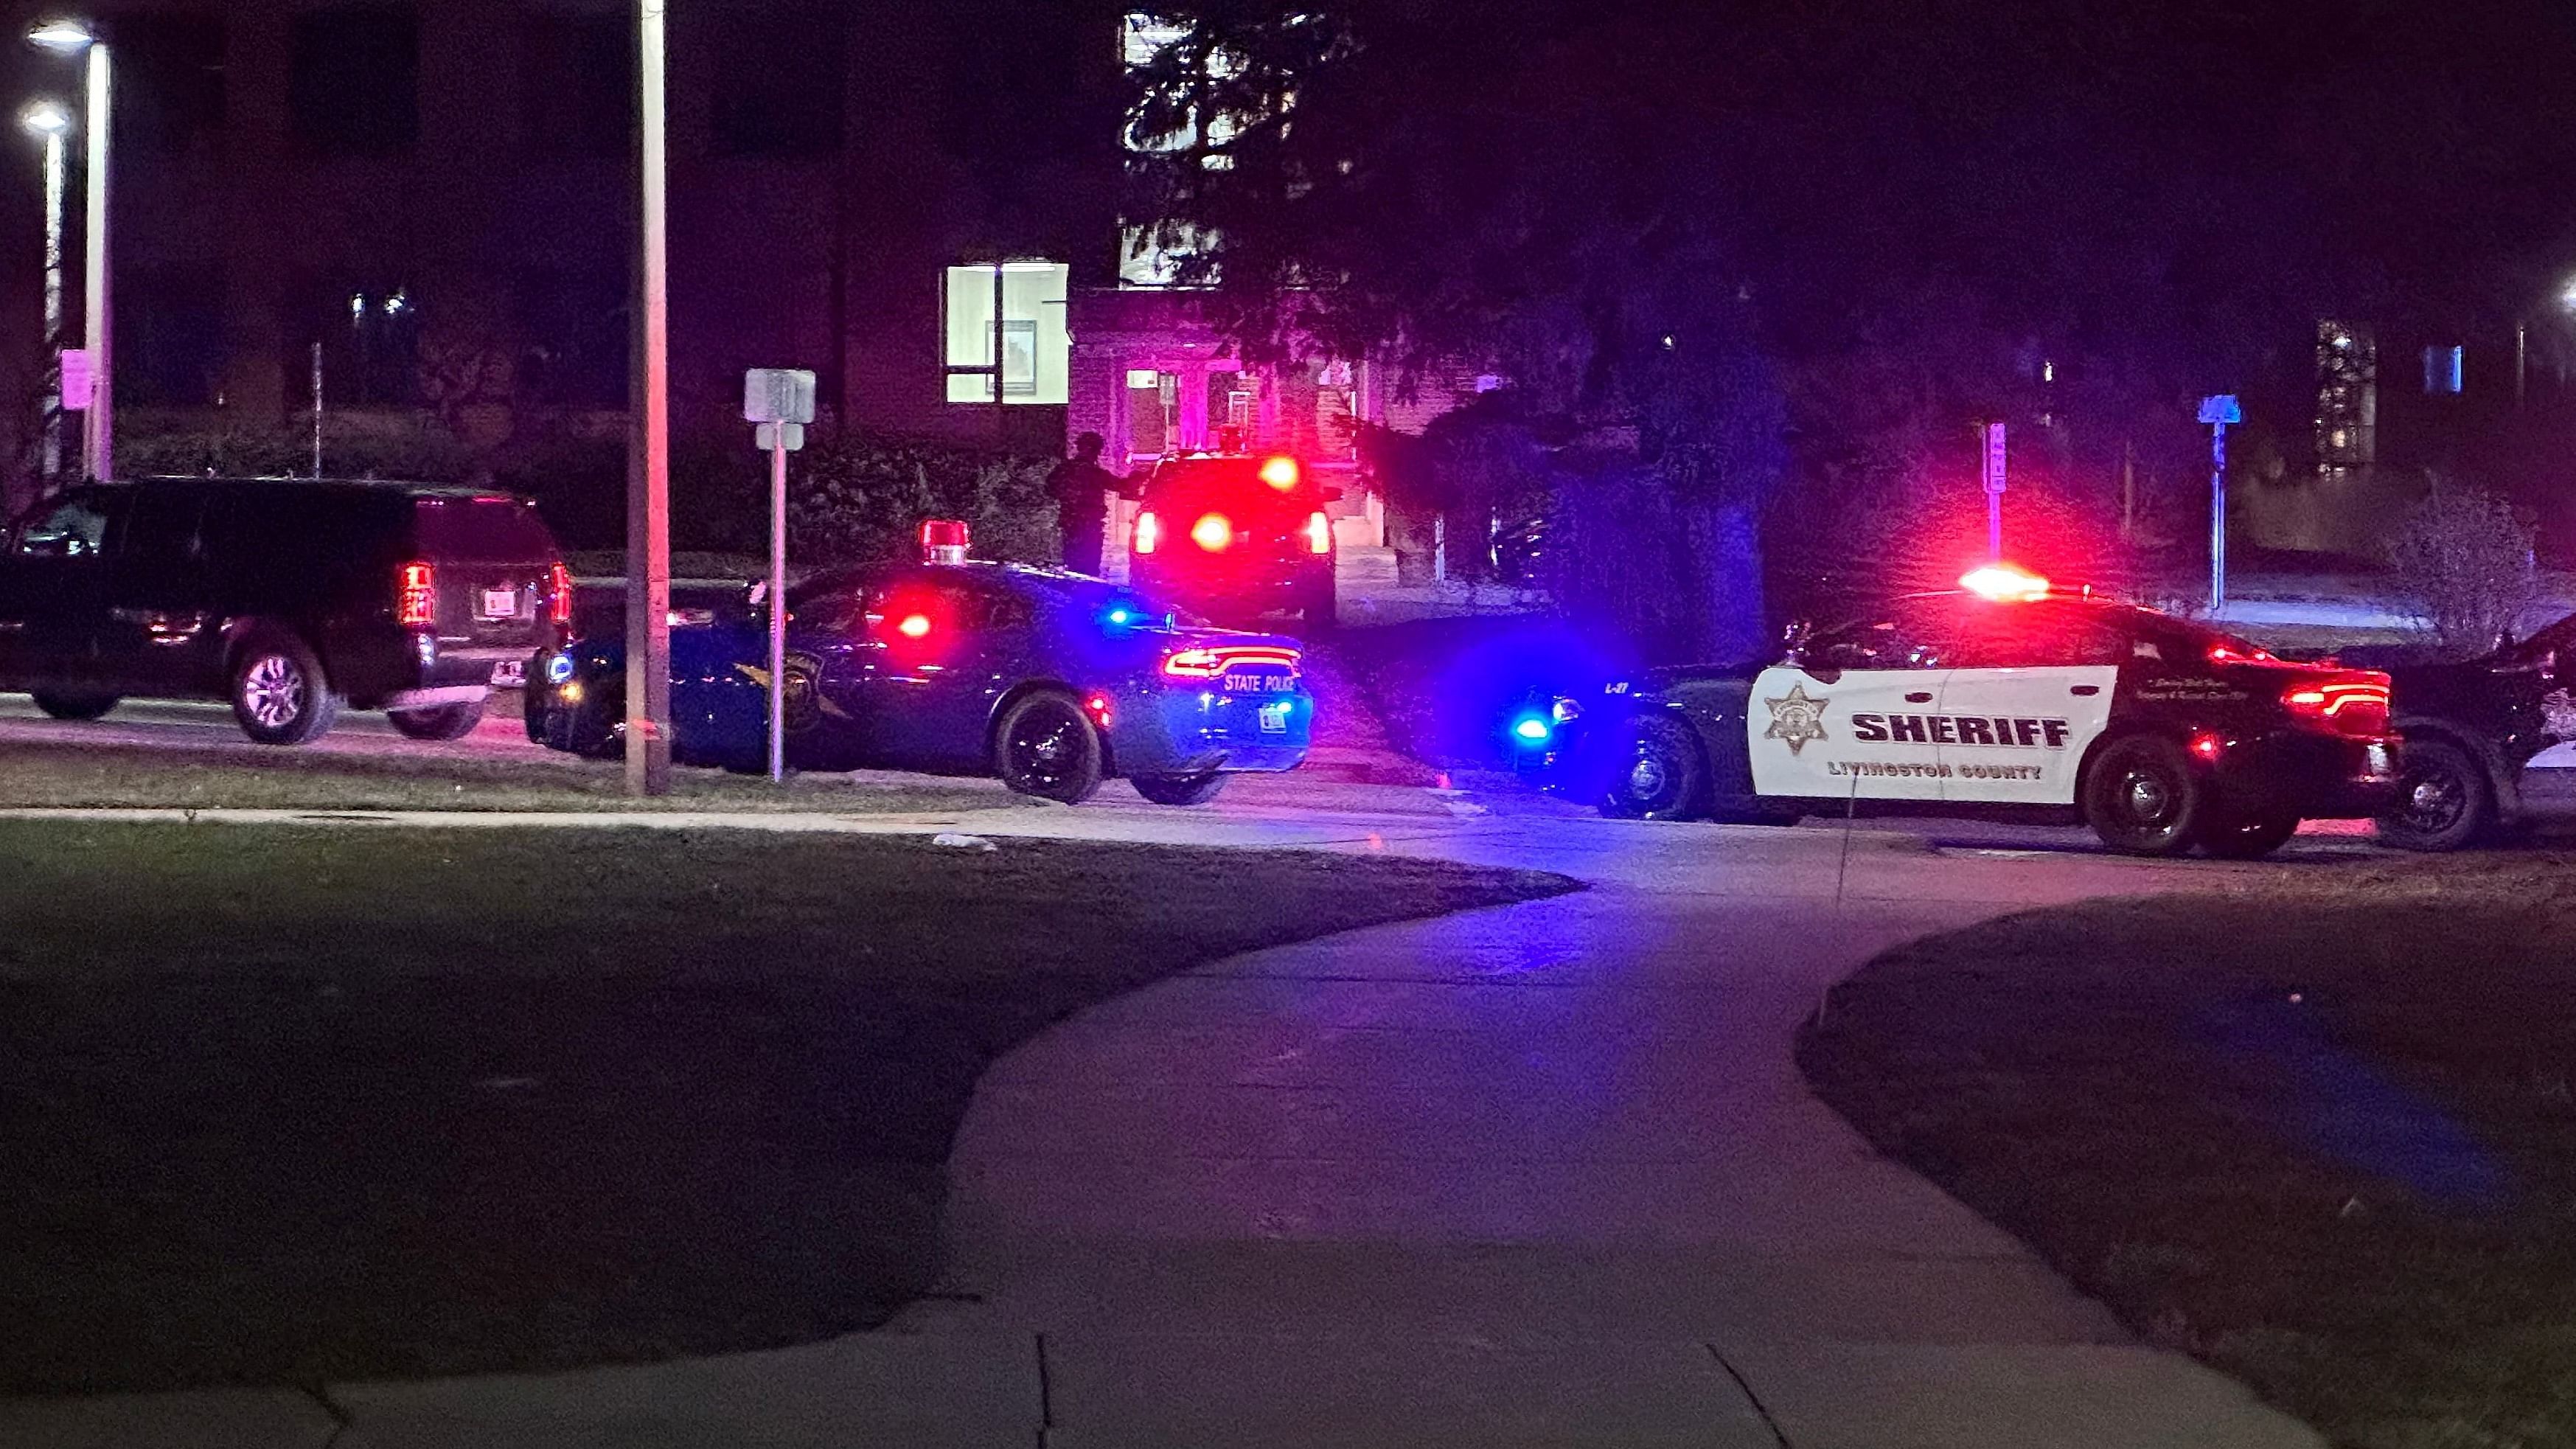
558	668
1566	710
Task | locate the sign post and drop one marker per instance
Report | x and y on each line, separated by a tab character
780	401
1994	476
2218	411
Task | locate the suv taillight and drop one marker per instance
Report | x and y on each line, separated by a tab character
2355	705
416	598
1319	533
559	593
1149	532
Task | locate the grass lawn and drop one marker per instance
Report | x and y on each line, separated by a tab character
2319	1131
287	1104
254	777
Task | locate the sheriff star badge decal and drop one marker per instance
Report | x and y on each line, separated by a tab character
1796	719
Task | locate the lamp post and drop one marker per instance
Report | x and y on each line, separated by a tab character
71	37
648	447
48	121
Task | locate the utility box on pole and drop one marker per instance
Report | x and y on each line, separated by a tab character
779	401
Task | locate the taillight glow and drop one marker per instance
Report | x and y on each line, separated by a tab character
1214	660
416	598
2230	654
1149	532
2207	746
1212	532
1280	473
1319	533
1097	706
559	593
2354	705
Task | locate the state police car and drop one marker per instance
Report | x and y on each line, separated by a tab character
2004	698
1050	680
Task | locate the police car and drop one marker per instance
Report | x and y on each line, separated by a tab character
2004	698
1050	680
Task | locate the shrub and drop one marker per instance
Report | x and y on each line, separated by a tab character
863	496
2466	560
362	446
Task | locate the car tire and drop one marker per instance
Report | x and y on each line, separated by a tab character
76	706
2142	797
279	692
2443	799
1179	789
1046	746
2250	837
1657	772
446	722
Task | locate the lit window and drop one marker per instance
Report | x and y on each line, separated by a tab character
1144	261
1013	312
2442	366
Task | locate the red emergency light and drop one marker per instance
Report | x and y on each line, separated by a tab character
2004	583
943	540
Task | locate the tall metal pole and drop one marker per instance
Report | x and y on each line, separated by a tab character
648	449
96	424
2217	517
317	409
778	602
53	445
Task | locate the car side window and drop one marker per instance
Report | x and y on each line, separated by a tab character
2022	636
74	528
842	611
1878	644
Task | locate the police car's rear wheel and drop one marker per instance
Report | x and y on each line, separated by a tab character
1047	748
447	722
2142	798
1657	774
2442	799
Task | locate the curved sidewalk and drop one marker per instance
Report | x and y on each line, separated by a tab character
1540	1175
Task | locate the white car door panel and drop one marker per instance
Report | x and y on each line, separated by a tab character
1863	733
2017	736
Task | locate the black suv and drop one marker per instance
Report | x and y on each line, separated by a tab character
290	598
1235	538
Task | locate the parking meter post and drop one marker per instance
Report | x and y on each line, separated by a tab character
777	605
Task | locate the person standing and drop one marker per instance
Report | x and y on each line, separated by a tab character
1081	489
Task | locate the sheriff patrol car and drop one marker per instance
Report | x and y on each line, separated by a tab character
2003	697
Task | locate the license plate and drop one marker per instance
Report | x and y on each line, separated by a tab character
1274	718
500	603
510	674
1260	683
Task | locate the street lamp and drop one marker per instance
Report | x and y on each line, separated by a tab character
48	121
70	37
648	448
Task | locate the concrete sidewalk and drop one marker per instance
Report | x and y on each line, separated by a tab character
1541	1175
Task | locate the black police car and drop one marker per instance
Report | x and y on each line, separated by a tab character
291	598
1236	538
1050	680
2005	698
2470	728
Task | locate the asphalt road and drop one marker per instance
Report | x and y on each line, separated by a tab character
1290	800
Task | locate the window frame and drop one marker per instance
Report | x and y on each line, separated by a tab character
1000	327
